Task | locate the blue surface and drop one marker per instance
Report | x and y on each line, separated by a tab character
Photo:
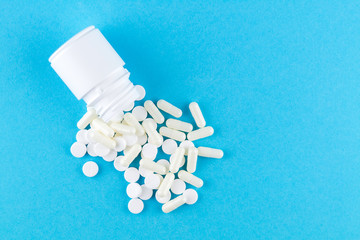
278	80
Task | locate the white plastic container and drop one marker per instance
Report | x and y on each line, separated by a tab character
94	72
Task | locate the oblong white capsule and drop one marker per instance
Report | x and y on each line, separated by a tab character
153	166
190	178
210	152
132	121
200	133
101	138
102	127
123	129
179	125
166	184
192	159
87	118
173	134
169	108
130	155
173	204
154	111
154	136
177	158
197	114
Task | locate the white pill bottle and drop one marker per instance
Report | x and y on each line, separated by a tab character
94	72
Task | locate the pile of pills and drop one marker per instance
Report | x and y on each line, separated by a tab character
136	133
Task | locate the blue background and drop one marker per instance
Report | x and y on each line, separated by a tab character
278	81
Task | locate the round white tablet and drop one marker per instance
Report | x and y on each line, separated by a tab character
110	156
90	169
90	148
130	139
149	151
186	144
191	196
165	163
131	174
139	113
178	186
152	121
152	181
101	150
118	165
141	90
163	199
133	190
135	206
142	139
145	172
81	136
120	144
169	146
129	106
78	149
146	192
182	160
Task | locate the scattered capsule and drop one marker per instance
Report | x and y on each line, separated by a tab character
190	178
179	125
102	127
174	204
87	118
175	164
153	166
132	121
101	138
154	112
169	108
166	184
131	155
210	152
200	133
197	114
192	159
173	134
154	136
122	128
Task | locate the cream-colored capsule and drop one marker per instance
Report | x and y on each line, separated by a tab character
177	158
179	125
153	166
154	112
173	134
130	155
210	152
192	159
166	184
200	133
87	118
101	138
154	136
190	178
174	204
132	121
122	128
197	114
169	108
102	127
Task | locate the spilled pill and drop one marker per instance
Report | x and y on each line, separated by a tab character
154	112
190	178
210	152
169	108
197	114
200	133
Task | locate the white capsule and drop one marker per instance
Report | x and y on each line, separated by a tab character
166	184
192	159
154	112
165	163
177	158
197	114
179	125
153	166
102	127
152	121
157	142
169	146
90	169
87	118
78	149
140	113
155	137
200	133
131	155
173	134
169	108
171	160
122	128
174	204
190	178
101	138
132	121
186	144
210	152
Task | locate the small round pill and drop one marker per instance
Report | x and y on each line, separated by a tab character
120	144
90	169
101	150
149	151
131	174
146	192
181	163
163	199
140	113
142	139
141	91
78	149
130	139
110	156
118	165
186	144
165	163
129	106
169	146
81	136
135	206
191	196
133	190
152	181
145	172
90	148
178	186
